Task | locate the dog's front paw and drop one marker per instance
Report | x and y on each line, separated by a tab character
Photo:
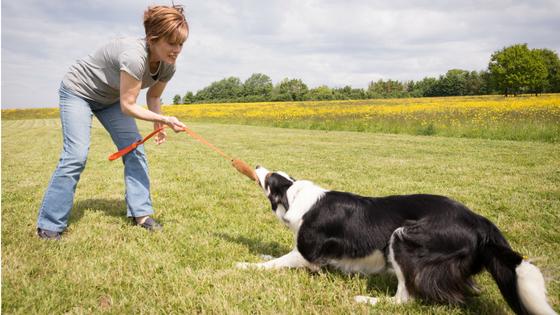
366	299
267	257
243	265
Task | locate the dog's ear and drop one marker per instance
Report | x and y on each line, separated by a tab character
278	186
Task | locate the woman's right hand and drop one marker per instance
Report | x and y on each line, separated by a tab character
174	123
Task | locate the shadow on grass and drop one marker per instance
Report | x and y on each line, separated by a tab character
383	282
475	305
112	207
378	285
386	285
483	305
257	247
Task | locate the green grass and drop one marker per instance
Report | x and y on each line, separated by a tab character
215	217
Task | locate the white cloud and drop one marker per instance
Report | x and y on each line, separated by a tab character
321	42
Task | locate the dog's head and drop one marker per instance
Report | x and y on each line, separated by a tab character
275	186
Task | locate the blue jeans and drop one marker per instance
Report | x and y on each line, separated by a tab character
76	115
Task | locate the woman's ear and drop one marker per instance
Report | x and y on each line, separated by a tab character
151	41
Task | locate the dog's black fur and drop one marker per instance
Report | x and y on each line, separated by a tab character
437	243
443	242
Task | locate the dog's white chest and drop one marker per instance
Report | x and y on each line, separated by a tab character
373	263
302	195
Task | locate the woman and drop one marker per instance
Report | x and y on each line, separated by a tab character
106	84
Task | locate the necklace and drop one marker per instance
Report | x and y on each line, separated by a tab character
157	70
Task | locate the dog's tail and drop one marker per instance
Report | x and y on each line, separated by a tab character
520	282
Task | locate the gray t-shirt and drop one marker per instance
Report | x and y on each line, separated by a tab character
97	77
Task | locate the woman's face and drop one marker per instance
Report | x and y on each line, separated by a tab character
162	50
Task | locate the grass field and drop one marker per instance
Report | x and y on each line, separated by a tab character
214	217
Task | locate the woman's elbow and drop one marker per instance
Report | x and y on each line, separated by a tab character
126	108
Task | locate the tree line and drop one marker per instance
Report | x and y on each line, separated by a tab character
512	70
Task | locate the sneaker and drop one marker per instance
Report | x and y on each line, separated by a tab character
48	235
150	225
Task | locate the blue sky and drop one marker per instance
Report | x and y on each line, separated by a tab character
332	43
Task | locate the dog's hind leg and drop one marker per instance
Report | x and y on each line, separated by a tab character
402	295
292	259
474	289
436	260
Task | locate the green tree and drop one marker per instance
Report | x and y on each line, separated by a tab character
176	99
188	98
487	85
321	93
408	87
349	93
376	89
538	80
454	83
225	90
425	87
552	63
290	90
258	87
474	83
516	69
386	89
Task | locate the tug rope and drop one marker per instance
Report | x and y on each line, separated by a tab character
239	165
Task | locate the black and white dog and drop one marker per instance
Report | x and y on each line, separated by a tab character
433	244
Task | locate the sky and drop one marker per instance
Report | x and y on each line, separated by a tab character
333	43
